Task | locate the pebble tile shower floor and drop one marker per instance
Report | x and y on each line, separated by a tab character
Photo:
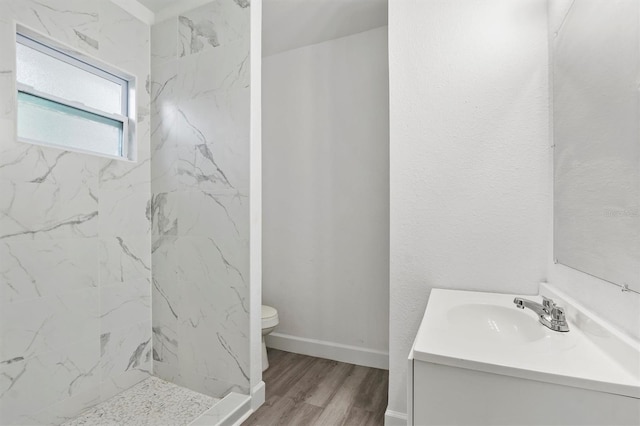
151	402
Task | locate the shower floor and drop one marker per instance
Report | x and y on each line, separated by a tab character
149	403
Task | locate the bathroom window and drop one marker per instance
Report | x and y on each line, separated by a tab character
69	101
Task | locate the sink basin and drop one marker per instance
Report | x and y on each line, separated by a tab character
500	324
477	349
486	332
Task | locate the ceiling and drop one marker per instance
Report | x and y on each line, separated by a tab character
165	9
156	5
288	24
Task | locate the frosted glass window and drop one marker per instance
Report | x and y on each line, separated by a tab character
67	127
67	102
51	75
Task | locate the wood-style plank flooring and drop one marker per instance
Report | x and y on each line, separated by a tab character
304	390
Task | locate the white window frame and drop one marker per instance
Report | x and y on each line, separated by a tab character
24	37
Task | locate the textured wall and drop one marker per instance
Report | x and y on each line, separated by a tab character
470	158
326	180
200	187
75	314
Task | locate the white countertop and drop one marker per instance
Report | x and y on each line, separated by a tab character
478	331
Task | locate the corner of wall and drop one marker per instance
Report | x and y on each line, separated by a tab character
255	204
394	418
137	10
258	395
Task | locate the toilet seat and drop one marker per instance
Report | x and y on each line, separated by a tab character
269	323
269	317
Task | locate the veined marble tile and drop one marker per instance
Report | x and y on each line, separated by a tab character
43	268
52	259
116	385
166	296
214	321
117	29
28	385
223	217
33	211
221	371
165	212
201	287
164	163
223	68
8	132
7	63
213	25
213	141
49	323
165	306
165	41
116	175
4	12
7	79
163	127
166	284
126	350
27	163
124	304
163	88
143	124
62	411
165	342
124	212
74	22
124	259
7	71
162	92
166	371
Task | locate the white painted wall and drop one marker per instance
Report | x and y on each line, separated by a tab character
470	157
325	183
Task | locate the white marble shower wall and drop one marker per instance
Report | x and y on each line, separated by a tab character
75	246
200	197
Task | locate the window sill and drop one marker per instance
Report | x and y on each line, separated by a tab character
77	150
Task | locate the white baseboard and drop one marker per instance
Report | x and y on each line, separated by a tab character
227	412
329	350
257	399
257	396
394	418
243	418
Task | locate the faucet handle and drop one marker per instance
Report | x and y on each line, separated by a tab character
548	304
557	314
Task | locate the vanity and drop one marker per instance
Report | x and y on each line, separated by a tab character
478	360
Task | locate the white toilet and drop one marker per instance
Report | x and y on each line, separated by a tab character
269	323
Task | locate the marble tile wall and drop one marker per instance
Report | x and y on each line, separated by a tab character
199	204
75	235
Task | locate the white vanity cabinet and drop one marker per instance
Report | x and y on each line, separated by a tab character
477	360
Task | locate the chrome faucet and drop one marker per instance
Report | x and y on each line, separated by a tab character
550	315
